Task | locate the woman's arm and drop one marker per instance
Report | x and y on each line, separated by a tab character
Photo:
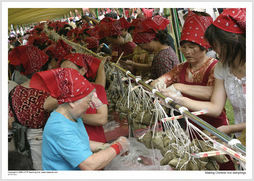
216	104
229	129
100	159
101	75
200	92
98	119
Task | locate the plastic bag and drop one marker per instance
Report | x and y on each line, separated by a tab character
139	158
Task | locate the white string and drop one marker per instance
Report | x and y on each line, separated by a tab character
233	142
154	90
182	109
137	79
128	72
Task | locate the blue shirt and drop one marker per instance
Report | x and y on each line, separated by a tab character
65	144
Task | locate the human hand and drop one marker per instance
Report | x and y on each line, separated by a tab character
172	93
160	85
123	145
95	101
129	62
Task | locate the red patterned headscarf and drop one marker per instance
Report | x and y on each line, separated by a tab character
144	37
109	29
194	29
29	56
90	63
124	23
92	42
157	23
64	84
59	49
232	20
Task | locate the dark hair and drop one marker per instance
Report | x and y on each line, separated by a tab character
111	15
162	37
131	28
231	45
17	161
201	47
114	36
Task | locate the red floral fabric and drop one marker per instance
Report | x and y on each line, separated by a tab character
195	76
28	105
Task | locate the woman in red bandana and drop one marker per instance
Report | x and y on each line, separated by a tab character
94	119
227	36
112	32
65	143
195	77
31	106
151	36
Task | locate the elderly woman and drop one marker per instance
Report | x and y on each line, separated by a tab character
31	106
195	77
94	119
65	144
226	35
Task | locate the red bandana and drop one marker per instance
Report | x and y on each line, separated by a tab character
92	42
144	37
156	22
232	20
29	56
194	29
109	29
124	23
90	63
59	49
64	84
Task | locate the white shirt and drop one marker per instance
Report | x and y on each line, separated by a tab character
235	90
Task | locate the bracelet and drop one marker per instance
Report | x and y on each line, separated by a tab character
116	147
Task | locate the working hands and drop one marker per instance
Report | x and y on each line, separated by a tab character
95	102
123	144
172	93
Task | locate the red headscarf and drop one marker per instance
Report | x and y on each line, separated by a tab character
64	84
92	42
144	37
194	29
90	63
124	23
157	22
59	49
109	29
29	56
148	13
232	20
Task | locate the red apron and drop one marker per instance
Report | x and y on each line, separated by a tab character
216	122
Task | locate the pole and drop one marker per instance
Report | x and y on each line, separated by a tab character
186	113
